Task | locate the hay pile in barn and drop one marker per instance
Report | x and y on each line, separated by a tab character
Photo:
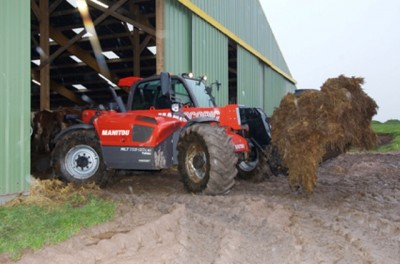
335	118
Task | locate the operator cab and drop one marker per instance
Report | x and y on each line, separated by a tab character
149	93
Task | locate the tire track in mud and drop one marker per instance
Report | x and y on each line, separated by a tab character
352	217
347	234
123	247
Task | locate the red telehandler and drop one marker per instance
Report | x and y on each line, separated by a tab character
167	121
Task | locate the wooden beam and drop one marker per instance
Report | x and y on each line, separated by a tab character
138	16
77	51
44	54
135	39
136	53
111	61
102	36
145	43
74	49
35	42
98	20
60	89
64	12
54	5
35	9
148	29
160	37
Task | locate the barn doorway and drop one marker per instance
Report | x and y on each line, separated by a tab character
232	68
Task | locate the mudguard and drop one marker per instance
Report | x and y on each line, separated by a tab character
68	130
240	143
190	122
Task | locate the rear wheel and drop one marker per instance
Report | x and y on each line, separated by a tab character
207	159
256	167
77	158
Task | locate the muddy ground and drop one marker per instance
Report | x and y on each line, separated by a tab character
353	216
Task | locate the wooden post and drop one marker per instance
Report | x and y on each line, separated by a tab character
44	54
135	40
136	52
160	36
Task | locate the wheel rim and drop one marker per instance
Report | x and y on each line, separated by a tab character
82	162
252	163
196	163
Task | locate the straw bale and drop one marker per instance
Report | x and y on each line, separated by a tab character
306	127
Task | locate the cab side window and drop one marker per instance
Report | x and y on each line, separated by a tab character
181	94
149	94
145	95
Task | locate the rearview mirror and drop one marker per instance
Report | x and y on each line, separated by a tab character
165	83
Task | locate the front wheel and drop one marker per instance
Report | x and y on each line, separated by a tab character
255	167
206	159
77	158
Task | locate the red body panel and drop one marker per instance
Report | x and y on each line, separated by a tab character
128	81
115	129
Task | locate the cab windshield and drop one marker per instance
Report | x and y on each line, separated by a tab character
199	91
148	94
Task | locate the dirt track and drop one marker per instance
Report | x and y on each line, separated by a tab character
353	216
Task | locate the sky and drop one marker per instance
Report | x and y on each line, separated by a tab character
322	39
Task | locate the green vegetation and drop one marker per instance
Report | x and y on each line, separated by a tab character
391	128
31	226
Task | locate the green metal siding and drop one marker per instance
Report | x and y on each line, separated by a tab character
210	56
15	100
249	79
258	84
178	38
192	44
275	87
246	19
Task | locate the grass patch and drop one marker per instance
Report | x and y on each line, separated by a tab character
30	225
392	128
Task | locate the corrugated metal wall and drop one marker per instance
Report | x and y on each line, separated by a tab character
275	87
193	44
15	97
249	79
178	38
246	19
210	56
258	84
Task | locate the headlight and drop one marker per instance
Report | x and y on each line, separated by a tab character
187	75
175	107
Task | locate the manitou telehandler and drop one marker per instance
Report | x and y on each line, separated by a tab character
167	121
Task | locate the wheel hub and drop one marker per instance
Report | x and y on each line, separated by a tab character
198	161
82	162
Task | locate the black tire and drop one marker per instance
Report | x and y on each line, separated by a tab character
275	161
256	169
77	158
207	159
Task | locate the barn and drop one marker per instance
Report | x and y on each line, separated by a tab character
49	59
